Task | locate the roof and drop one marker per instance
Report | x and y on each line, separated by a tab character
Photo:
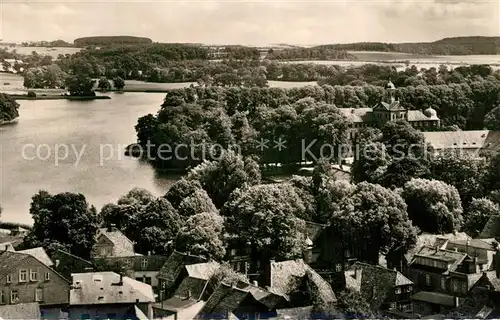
175	304
285	273
14	240
474	243
435	298
492	228
314	229
175	264
417	115
9	260
294	313
224	299
6	246
119	240
139	315
375	283
452	257
484	313
191	288
269	299
432	240
20	311
40	254
104	288
470	139
203	271
493	280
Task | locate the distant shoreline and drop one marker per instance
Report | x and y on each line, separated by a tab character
58	97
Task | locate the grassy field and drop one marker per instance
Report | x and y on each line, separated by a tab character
54	52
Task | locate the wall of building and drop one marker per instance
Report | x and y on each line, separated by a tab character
55	291
140	275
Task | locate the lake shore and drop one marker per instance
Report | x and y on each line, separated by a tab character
58	97
7	122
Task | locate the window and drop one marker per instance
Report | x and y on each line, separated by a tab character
9	278
2	298
33	275
338	267
455	286
38	294
144	263
392	305
443	283
23	275
398	290
233	252
427	279
14	296
47	276
347	253
147	280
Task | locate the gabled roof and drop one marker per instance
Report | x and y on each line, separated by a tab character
285	273
492	228
191	288
417	115
314	229
493	280
9	260
175	264
203	271
375	283
6	246
20	311
294	313
175	304
40	254
393	106
357	115
269	299
105	288
436	298
225	299
119	240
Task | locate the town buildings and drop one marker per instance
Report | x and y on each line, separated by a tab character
111	242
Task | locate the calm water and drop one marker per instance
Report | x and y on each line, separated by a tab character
85	128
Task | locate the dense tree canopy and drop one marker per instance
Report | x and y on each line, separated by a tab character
8	108
433	205
267	217
477	215
64	219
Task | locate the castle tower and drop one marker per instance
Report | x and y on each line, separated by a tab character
391	92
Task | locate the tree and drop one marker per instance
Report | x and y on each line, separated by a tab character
64	218
377	215
477	215
202	235
118	83
463	171
433	205
371	163
181	189
492	174
104	84
220	178
80	85
226	274
266	217
353	306
8	108
197	202
329	195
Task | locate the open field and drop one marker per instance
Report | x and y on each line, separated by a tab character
54	52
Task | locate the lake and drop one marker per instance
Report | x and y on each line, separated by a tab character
86	128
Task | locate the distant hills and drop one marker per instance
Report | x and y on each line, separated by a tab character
446	46
110	40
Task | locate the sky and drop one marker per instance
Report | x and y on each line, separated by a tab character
250	22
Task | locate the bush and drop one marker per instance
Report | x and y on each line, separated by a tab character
31	94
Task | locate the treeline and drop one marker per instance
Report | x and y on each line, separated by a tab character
8	109
55	43
242	116
447	46
314	53
110	40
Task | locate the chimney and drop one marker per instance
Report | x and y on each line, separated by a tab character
111	227
149	253
455	302
255	283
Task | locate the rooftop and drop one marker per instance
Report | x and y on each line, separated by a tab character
470	139
175	264
40	254
118	239
105	288
20	311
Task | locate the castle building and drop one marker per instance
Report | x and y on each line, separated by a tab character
389	110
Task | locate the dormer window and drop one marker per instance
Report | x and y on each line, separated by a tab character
144	263
398	290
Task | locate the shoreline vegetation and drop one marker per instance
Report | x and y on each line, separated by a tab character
9	122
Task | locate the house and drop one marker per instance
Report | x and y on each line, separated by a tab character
384	288
15	241
111	242
66	263
483	249
389	110
20	311
401	260
142	268
173	272
6	246
25	279
444	276
109	295
471	142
